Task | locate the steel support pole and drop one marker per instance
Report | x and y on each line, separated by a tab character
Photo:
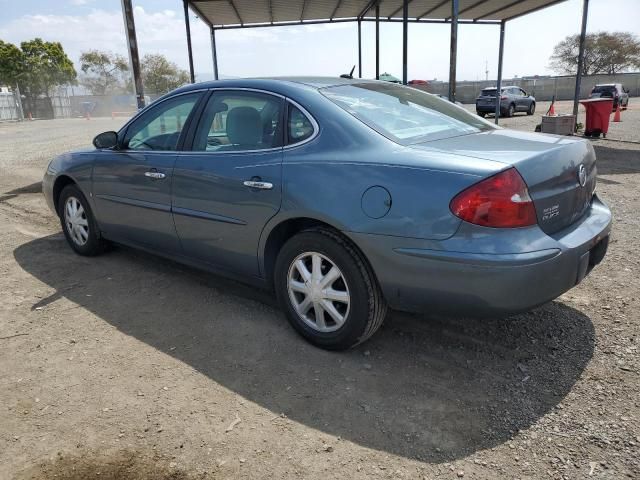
359	48
499	83
132	49
214	53
405	38
453	51
378	41
186	24
583	33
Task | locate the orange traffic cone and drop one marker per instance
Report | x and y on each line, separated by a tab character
551	110
616	117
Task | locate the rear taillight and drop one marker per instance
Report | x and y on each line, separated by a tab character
504	97
500	201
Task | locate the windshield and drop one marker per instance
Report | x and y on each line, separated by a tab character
403	114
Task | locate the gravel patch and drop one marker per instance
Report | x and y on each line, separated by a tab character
129	366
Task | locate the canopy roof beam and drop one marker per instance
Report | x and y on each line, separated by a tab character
335	10
500	9
433	9
235	10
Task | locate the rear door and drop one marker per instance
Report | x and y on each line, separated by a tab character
132	184
228	185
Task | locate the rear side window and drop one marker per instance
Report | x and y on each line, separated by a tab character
299	126
240	120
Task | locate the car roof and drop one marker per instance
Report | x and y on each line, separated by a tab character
277	83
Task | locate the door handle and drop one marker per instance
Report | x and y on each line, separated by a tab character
258	184
154	174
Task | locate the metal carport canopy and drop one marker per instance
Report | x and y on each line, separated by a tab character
231	14
248	13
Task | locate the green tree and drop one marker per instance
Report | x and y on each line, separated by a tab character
104	72
46	66
159	75
605	52
11	64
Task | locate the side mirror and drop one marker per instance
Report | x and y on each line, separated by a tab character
106	140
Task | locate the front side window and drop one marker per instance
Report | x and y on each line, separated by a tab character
299	126
240	120
160	127
404	114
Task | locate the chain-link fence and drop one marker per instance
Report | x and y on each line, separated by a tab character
544	89
10	106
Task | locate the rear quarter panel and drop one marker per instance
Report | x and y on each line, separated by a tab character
326	178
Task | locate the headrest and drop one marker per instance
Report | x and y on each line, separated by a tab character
244	126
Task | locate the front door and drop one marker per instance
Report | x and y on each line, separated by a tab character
132	184
229	185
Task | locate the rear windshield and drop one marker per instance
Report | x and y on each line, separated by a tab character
488	92
404	114
603	89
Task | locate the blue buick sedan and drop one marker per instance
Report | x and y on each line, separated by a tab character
344	196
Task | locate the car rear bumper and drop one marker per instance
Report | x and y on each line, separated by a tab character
487	108
421	276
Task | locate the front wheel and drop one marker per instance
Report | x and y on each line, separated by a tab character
532	108
327	290
78	224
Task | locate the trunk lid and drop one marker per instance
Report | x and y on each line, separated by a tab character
560	172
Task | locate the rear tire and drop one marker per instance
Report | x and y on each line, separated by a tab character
78	223
482	114
352	294
511	110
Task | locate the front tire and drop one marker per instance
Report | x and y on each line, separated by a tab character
78	223
327	291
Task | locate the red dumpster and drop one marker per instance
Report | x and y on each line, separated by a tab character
598	113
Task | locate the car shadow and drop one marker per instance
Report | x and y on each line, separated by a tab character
427	388
33	188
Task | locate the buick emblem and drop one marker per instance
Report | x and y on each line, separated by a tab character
582	175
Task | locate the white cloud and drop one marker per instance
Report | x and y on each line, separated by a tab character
157	32
320	49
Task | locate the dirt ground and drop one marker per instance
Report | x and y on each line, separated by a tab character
126	366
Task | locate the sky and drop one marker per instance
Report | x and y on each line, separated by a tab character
332	49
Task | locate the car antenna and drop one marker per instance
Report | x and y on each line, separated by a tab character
348	75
